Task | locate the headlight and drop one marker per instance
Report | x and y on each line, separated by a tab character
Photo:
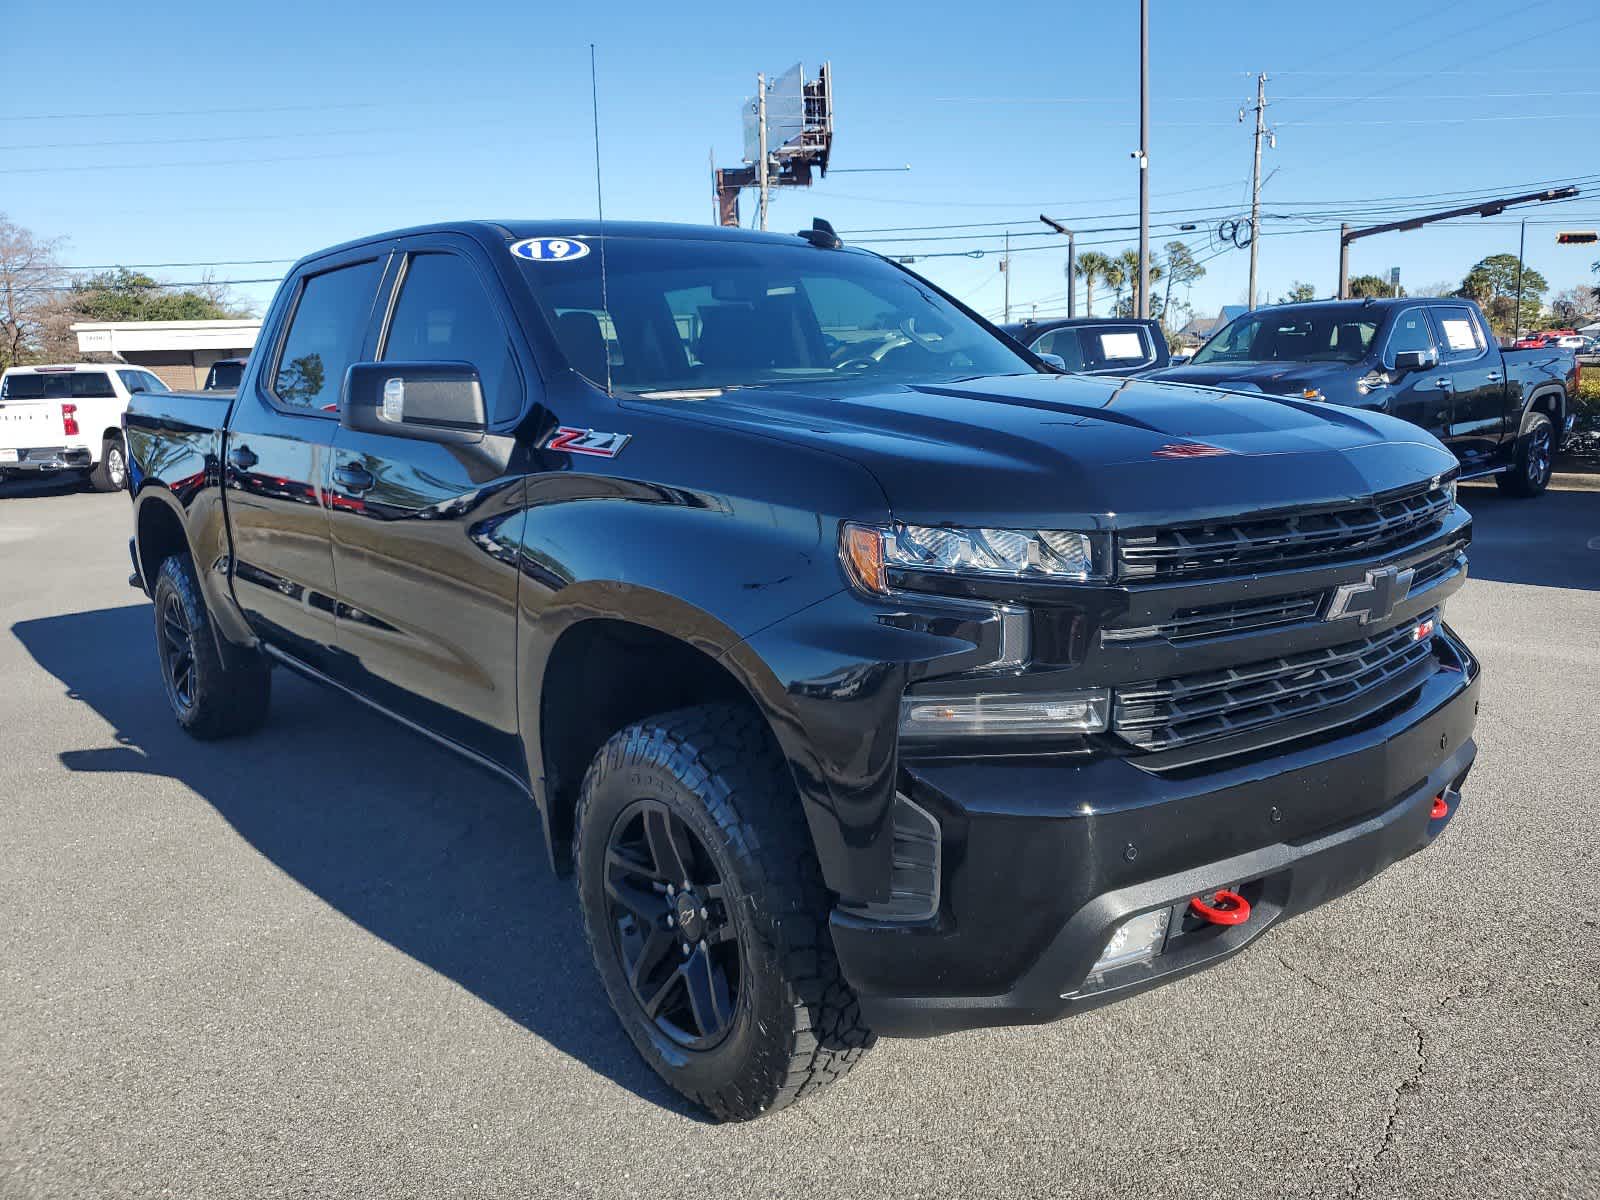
869	552
996	714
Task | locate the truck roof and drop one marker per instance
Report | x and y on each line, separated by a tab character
1371	302
61	368
493	232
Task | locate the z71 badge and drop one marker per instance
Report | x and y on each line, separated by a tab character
587	441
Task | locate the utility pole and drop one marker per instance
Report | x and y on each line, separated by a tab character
1344	261
1072	262
1522	247
1005	269
1255	183
761	133
1144	163
716	200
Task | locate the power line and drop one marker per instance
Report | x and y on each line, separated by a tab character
185	112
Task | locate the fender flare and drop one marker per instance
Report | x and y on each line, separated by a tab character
636	604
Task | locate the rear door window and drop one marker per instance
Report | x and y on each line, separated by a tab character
1459	333
325	336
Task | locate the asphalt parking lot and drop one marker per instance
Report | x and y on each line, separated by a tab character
329	960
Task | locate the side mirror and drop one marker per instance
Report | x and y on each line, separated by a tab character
430	402
1056	361
1415	360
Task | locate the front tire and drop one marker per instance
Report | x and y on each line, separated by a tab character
209	698
728	987
110	474
1533	463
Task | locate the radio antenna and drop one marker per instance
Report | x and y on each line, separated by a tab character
600	207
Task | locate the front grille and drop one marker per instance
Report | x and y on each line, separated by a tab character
1218	620
1172	713
1306	539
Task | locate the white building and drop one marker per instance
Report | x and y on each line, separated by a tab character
180	352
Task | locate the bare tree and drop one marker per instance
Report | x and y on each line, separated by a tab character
31	280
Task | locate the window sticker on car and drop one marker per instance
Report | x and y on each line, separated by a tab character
1121	345
550	249
1459	334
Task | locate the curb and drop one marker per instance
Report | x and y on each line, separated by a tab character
1566	482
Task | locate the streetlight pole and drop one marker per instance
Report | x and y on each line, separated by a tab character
1072	262
1144	161
1522	247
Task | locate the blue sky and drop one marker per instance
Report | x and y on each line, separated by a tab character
183	133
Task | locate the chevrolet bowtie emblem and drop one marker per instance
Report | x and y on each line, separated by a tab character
1373	600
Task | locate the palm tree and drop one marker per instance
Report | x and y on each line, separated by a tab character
1116	276
1092	267
1128	272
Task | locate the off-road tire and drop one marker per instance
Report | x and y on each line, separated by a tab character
110	474
220	700
796	1024
1532	464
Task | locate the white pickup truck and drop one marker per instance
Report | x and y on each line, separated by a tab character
69	418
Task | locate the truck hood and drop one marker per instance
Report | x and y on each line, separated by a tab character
1080	451
1276	378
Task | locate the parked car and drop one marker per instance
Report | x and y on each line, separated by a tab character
224	374
68	417
872	678
1096	345
1568	341
1431	361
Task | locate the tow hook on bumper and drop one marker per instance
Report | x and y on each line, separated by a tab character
1224	908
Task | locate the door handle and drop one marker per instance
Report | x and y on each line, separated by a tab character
1443	383
1493	377
353	477
243	458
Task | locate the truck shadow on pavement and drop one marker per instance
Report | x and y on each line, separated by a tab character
437	858
1552	540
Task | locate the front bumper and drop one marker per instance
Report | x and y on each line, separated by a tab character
1042	861
45	459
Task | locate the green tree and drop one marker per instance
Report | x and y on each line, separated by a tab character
1493	284
1299	293
1092	267
124	295
1128	261
1182	268
1362	286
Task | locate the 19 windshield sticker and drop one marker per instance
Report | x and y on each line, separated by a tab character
550	249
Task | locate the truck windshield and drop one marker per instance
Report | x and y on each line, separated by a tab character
681	314
1333	333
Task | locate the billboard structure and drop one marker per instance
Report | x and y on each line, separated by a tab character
788	136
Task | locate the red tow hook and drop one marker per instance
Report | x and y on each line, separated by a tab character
1226	908
1440	809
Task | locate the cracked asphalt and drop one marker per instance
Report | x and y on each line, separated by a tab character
328	960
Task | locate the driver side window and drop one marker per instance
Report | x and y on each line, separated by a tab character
1410	332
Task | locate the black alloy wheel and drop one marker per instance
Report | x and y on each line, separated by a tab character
177	653
667	909
1539	456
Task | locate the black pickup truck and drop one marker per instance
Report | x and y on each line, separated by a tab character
872	676
1429	360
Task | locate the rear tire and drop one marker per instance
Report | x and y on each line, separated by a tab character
755	1014
209	698
110	474
1533	463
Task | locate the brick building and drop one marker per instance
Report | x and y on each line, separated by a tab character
180	352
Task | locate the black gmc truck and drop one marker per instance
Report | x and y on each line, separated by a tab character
1430	360
871	676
